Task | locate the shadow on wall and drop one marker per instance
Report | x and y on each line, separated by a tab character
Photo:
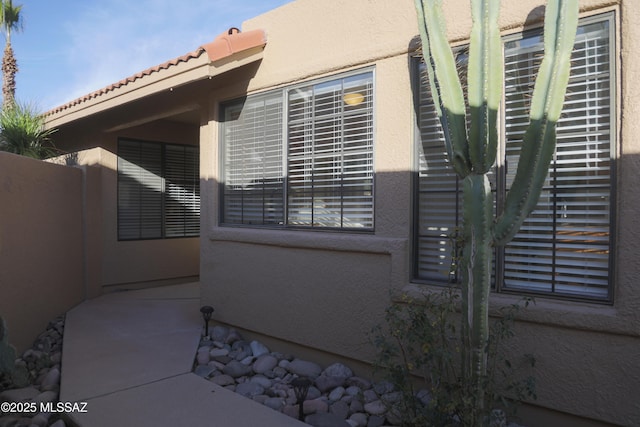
52	241
40	244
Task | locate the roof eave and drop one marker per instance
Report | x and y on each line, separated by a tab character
227	52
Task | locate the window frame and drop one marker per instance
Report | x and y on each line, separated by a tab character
284	94
164	192
500	185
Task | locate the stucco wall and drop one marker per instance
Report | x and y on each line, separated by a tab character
125	263
41	274
144	260
340	282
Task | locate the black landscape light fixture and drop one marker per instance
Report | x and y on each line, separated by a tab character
206	311
301	388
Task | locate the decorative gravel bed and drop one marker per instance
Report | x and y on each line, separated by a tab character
43	363
336	398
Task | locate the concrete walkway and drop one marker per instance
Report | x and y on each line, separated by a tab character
129	355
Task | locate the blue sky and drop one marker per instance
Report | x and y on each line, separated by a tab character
69	48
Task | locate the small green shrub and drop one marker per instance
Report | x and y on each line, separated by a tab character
419	350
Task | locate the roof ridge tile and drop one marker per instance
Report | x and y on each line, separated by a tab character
224	45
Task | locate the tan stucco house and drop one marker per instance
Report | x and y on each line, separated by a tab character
323	187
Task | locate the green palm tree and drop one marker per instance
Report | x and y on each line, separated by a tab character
11	20
22	131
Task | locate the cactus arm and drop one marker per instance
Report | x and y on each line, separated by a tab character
446	88
561	18
485	81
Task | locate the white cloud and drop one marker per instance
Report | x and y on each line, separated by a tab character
113	39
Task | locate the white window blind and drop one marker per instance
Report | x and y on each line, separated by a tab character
330	156
182	191
563	248
158	190
140	187
438	195
253	173
320	145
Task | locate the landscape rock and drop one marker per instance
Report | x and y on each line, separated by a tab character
336	393
392	397
56	357
249	389
202	357
360	419
223	380
369	396
219	333
284	363
394	416
248	360
353	390
264	363
276	403
258	349
236	369
262	381
43	360
375	421
340	409
424	396
362	383
304	368
47	396
313	393
8	421
315	405
204	371
377	407
333	376
41	420
291	410
19	394
216	365
383	387
232	337
218	352
356	406
338	370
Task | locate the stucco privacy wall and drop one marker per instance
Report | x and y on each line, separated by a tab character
41	271
339	283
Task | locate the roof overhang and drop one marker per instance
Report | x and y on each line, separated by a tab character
229	51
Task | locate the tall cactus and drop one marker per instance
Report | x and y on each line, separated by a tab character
472	150
18	375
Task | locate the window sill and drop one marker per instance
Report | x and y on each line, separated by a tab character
347	241
553	312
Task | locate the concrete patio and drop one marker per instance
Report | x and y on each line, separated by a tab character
129	356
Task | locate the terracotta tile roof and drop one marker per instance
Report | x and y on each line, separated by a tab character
224	45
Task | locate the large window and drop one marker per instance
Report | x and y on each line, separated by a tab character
158	190
301	156
564	247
